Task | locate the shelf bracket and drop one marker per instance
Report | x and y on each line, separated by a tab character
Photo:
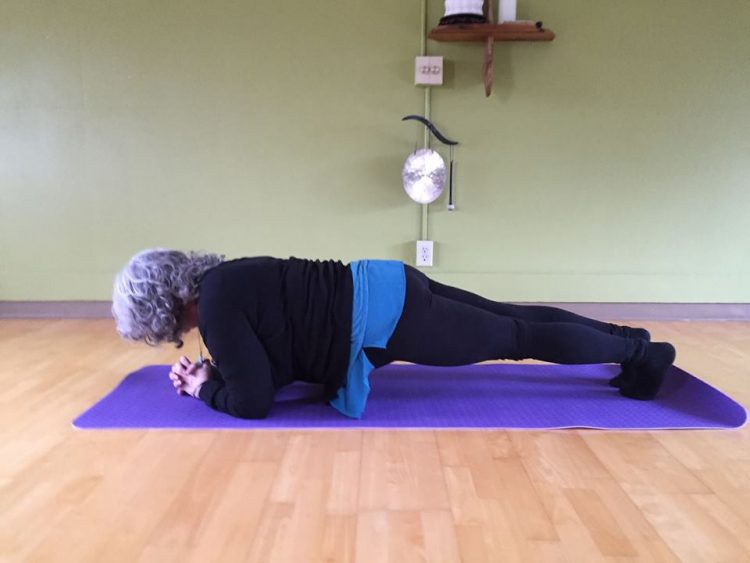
489	51
489	54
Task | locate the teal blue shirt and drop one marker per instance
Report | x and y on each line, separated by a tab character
378	302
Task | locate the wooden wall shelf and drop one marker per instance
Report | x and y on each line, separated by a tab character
497	31
488	33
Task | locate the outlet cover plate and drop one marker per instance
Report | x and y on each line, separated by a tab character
424	253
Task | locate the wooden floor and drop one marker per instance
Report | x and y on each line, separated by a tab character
68	495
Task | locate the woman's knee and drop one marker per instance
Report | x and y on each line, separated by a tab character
520	339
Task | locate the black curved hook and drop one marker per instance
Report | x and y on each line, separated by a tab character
427	123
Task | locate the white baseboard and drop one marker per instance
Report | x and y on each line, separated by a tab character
55	309
604	311
658	311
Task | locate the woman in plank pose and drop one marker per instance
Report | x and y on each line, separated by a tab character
267	322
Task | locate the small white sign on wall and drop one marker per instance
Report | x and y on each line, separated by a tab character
428	70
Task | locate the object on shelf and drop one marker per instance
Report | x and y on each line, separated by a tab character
506	11
463	12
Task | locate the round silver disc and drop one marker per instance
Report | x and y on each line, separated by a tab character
424	175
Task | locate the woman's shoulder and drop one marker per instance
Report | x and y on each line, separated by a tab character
235	266
239	274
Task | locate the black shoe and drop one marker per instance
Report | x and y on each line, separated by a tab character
626	375
648	373
622	378
641	333
630	332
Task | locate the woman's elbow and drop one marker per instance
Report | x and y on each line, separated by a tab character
251	409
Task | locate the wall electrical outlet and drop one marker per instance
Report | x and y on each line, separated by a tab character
424	253
428	70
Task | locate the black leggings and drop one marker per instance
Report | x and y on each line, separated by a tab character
446	326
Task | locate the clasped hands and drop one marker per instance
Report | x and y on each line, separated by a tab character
188	377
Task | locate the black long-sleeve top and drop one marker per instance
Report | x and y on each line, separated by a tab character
267	322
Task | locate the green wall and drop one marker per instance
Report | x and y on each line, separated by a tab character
609	165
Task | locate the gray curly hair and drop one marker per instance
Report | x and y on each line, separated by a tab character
151	292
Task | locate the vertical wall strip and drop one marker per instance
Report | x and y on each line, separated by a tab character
427	109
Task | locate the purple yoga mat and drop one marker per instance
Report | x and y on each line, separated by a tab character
538	396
